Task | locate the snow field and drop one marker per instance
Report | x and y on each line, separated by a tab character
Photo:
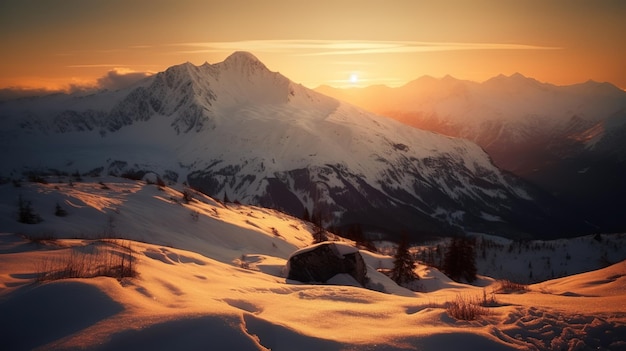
191	291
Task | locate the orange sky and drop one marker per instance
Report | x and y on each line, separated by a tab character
65	43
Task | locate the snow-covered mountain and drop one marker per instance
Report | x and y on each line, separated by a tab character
236	129
569	140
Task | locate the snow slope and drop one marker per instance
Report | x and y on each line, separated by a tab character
504	110
192	293
568	140
235	129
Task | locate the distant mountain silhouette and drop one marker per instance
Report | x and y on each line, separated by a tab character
569	140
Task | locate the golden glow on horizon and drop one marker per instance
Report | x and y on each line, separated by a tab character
76	43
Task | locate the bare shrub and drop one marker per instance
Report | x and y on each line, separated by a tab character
243	263
195	215
187	196
117	261
507	286
489	300
41	239
466	308
275	231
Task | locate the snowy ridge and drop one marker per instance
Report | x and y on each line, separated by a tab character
567	140
235	129
502	111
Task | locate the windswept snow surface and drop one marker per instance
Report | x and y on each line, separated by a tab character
192	293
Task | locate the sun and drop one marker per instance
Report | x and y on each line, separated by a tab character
354	78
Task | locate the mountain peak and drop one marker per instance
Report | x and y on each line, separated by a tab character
518	75
243	58
515	79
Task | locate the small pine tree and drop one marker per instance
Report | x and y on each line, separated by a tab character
403	264
77	176
459	261
60	211
316	218
26	214
160	183
355	232
319	235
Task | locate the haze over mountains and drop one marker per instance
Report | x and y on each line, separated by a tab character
239	131
568	140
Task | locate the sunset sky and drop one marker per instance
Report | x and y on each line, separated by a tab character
75	43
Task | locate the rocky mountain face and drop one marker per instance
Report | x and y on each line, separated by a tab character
237	130
567	140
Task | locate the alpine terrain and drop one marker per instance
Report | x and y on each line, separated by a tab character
238	131
568	140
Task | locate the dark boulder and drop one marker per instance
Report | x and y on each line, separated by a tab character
320	262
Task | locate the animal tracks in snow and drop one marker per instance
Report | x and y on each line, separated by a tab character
543	330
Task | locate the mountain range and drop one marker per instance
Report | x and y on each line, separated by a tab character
568	140
238	131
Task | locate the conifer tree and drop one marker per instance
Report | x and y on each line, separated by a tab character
403	264
459	261
319	234
26	214
59	211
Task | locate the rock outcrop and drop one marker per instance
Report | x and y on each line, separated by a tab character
321	262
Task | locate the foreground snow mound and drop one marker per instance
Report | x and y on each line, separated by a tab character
209	274
183	298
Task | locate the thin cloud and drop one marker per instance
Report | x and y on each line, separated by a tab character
114	79
350	47
99	65
353	63
119	78
429	47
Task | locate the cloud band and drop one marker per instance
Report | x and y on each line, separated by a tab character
349	47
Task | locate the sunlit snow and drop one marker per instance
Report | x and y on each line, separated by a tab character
210	276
